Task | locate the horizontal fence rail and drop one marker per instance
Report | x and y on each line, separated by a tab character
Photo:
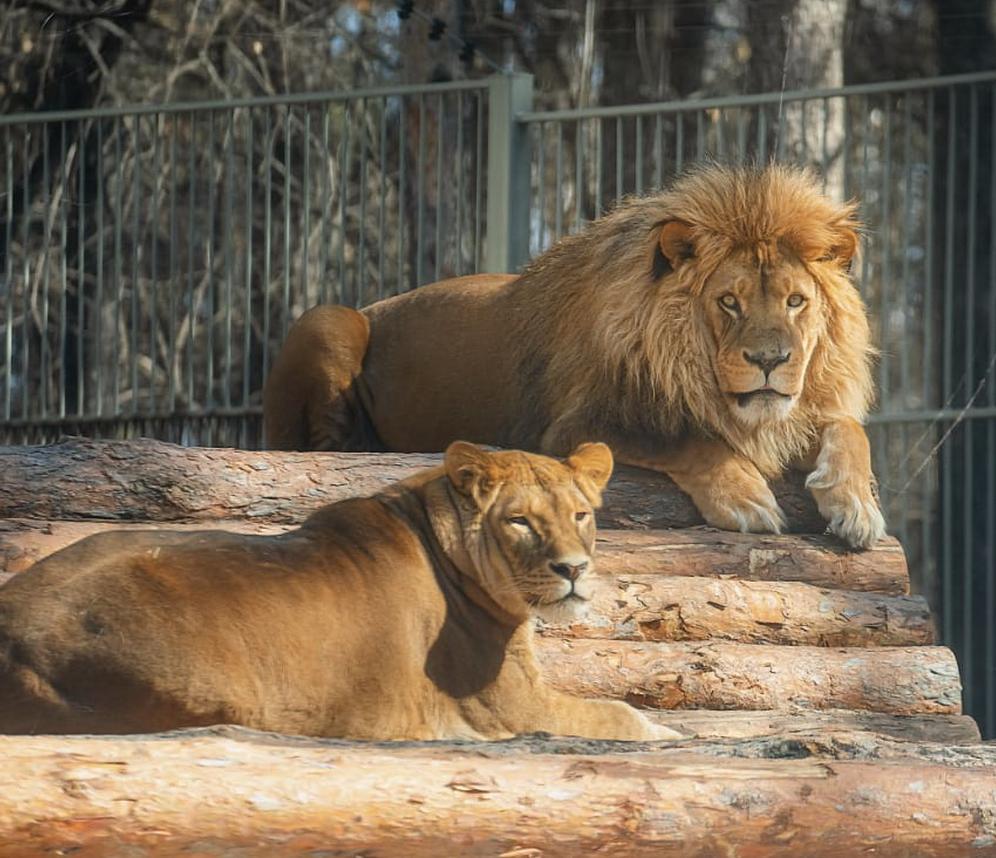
153	258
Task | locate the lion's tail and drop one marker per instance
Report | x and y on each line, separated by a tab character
309	399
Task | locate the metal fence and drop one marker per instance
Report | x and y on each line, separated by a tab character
153	258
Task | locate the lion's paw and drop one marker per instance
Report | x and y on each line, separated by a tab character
855	519
662	733
752	508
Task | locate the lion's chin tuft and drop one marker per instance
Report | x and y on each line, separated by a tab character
761	407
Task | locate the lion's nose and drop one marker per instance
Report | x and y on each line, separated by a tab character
569	570
767	360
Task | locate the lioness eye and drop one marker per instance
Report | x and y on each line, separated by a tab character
729	302
580	516
519	521
796	300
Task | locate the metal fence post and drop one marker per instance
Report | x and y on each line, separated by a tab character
506	243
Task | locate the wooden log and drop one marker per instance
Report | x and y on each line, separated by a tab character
819	560
747	724
713	675
655	608
236	793
81	478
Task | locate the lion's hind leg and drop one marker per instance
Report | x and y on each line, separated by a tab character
309	399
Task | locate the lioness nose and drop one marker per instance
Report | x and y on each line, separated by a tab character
767	360
570	571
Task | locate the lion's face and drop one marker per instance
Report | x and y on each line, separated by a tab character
532	528
764	320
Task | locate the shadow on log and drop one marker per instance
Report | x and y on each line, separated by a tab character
230	791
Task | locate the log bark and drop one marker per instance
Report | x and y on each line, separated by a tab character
712	675
149	480
258	795
655	608
818	560
746	724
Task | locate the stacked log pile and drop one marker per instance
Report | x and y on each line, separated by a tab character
822	718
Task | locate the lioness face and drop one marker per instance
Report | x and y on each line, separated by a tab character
765	320
535	534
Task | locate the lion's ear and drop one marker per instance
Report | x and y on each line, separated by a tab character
844	247
675	244
468	467
592	466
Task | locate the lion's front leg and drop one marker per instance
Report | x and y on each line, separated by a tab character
842	484
728	489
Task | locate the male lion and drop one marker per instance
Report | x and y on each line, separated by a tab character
404	615
711	332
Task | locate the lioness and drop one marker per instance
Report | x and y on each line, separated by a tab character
711	332
400	616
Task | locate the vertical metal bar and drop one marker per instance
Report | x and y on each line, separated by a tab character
402	161
679	143
742	134
191	307
905	384
171	362
98	324
885	283
803	129
247	311
639	153
700	148
968	428
578	174
211	297
439	186
720	133
325	238
866	125
382	182
136	229
154	262
598	167
420	194
46	252
285	309
361	274
306	208
81	326
8	331
118	274
619	161
824	147
344	182
64	271
267	232
929	361
459	185
478	182
762	134
559	185
990	523
658	151
947	601
541	186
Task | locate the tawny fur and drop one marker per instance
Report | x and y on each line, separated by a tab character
405	615
607	337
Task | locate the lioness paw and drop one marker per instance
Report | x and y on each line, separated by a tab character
662	733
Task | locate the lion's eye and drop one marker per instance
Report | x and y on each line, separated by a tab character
796	300
518	521
730	302
581	516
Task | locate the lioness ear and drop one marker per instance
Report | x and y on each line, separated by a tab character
675	244
468	468
592	466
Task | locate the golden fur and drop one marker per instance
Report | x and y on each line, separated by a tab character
711	331
405	615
